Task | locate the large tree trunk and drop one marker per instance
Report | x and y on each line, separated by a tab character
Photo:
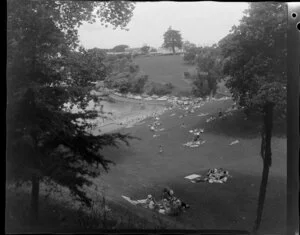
35	189
262	196
266	155
173	48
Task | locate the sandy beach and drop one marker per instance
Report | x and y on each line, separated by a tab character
123	115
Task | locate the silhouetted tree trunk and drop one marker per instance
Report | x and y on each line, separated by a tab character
266	155
173	46
35	189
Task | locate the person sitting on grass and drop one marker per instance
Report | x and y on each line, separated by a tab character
149	202
197	137
173	205
168	194
220	113
160	149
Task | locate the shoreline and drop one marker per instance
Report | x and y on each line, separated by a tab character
129	119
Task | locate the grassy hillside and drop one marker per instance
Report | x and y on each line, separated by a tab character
141	170
166	69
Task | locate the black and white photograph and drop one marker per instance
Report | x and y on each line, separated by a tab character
148	116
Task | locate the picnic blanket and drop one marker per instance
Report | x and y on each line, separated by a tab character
215	175
194	144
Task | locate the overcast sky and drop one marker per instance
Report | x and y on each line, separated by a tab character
202	23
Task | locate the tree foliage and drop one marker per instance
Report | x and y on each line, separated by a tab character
156	88
145	49
209	70
172	39
188	45
45	70
190	54
126	76
153	49
200	86
255	57
120	48
255	53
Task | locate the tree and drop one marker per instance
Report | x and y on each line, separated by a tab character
45	70
153	49
255	53
200	86
126	76
188	45
120	48
95	64
156	88
145	49
209	66
172	39
190	54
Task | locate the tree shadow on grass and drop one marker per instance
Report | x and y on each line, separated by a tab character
56	217
237	126
233	205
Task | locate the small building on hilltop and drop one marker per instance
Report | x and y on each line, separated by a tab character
162	50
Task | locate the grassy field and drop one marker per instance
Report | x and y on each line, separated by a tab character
166	69
141	170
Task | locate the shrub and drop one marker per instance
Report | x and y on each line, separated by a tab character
159	89
169	85
125	82
186	74
183	93
125	76
133	68
123	85
190	56
200	87
138	83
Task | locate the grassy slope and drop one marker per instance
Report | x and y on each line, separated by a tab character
166	69
140	170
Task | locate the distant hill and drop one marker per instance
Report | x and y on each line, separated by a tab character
166	69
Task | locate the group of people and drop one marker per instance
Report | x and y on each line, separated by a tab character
197	135
168	205
217	175
155	125
171	204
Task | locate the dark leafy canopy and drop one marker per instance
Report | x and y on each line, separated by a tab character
45	70
120	48
153	49
255	53
145	49
190	51
172	39
125	76
209	65
188	45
